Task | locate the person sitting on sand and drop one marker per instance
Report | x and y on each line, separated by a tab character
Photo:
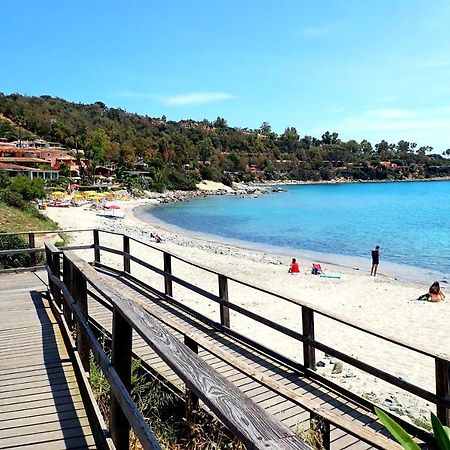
156	237
294	266
435	291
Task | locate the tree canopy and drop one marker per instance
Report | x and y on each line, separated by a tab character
116	137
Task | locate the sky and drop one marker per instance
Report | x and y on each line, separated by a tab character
367	69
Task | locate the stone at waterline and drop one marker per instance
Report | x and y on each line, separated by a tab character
338	367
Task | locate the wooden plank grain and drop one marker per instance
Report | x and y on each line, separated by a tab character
258	430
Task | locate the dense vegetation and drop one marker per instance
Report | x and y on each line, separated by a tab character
177	154
19	213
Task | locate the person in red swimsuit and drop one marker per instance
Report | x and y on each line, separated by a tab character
294	266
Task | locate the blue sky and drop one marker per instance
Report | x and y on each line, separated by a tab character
365	68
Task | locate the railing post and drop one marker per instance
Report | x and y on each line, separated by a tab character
223	294
121	360
50	263
96	244
80	296
168	288
126	254
191	399
309	352
67	278
32	244
321	427
56	270
443	390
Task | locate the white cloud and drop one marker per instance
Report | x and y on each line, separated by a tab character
195	98
191	98
424	126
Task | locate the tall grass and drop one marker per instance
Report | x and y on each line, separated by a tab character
164	412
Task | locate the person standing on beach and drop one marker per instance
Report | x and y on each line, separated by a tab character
375	260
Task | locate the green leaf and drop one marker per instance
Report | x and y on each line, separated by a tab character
447	431
441	434
397	431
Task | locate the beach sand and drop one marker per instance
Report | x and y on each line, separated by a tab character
380	303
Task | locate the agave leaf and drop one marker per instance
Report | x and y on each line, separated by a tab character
440	433
397	431
447	431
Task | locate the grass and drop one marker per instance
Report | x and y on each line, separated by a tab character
164	412
15	220
313	435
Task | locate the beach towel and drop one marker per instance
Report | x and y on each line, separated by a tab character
322	275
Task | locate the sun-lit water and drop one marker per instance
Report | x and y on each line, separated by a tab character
410	221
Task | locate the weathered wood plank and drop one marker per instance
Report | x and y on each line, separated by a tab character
311	405
40	403
228	403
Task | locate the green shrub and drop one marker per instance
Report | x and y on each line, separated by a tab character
12	198
210	173
13	242
29	189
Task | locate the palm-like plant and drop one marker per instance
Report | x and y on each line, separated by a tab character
441	433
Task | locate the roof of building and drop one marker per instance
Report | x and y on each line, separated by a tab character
7	166
8	159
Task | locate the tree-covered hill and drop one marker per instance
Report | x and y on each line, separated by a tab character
212	150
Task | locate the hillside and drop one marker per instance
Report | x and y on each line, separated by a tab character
14	219
210	150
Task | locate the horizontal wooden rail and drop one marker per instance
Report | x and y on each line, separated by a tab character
313	406
442	360
42	249
251	424
15	233
396	381
426	351
129	408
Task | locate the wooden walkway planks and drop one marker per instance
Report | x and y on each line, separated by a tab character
40	403
287	411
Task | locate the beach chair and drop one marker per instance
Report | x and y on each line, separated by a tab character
316	269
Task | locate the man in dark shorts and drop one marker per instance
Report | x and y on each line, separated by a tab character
375	260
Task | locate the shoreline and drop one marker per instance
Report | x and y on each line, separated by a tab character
346	263
390	269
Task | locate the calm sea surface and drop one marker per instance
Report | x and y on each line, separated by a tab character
410	221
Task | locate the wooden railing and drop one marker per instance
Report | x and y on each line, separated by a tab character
441	397
65	293
34	252
246	420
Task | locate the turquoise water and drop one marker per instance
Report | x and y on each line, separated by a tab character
410	221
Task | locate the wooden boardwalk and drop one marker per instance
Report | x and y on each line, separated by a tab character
288	411
40	401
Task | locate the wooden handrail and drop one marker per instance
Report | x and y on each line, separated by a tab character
121	394
250	423
11	233
322	311
442	360
310	405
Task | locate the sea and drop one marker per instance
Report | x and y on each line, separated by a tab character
332	223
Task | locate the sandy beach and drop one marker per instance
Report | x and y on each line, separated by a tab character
380	303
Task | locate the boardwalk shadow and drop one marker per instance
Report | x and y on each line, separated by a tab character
64	414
